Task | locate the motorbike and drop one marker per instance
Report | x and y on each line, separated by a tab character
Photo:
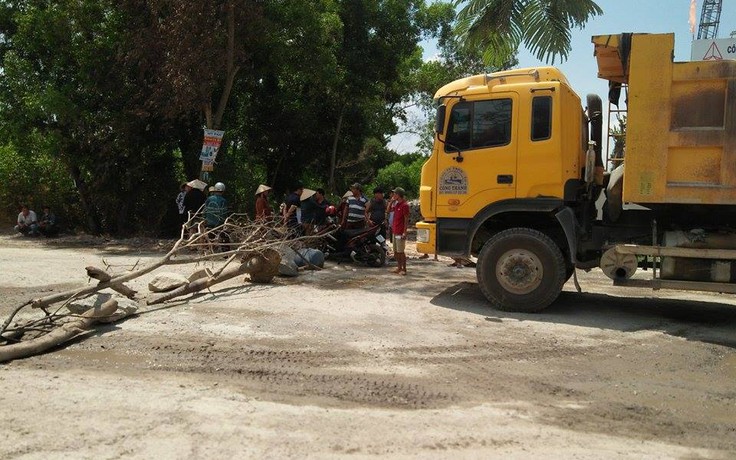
364	246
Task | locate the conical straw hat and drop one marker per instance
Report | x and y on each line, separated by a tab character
262	188
306	193
196	183
348	194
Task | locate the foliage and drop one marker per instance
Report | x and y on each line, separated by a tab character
35	180
499	27
452	62
618	133
67	96
104	101
401	174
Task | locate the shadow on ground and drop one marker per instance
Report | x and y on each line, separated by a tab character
710	322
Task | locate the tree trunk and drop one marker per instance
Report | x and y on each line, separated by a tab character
232	69
93	221
333	157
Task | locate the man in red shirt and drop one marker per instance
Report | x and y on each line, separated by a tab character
398	228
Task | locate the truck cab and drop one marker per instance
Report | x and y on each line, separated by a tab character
507	142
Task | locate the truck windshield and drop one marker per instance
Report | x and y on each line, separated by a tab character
479	124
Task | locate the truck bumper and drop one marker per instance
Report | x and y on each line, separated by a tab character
426	237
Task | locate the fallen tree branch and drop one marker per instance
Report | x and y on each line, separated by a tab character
59	335
252	245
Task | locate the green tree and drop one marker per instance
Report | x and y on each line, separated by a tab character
452	62
325	88
499	27
66	96
401	173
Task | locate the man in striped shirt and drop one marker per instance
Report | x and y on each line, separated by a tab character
355	217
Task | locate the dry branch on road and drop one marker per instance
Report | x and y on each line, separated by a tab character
237	247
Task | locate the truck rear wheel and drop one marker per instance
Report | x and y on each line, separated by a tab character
521	269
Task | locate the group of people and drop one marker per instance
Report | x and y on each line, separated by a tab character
192	198
305	210
30	224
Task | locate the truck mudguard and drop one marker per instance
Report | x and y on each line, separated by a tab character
527	205
566	218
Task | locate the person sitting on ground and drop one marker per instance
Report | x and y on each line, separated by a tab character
375	211
215	207
27	222
47	224
355	216
263	207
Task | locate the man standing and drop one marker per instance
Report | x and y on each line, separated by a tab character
194	198
398	228
376	210
215	207
27	222
292	211
355	217
320	214
180	204
263	207
313	210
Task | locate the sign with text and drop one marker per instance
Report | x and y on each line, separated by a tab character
713	49
211	145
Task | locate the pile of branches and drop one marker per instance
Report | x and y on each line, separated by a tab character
238	247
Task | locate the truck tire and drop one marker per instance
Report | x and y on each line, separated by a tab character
521	270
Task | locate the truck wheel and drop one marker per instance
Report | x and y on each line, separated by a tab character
521	270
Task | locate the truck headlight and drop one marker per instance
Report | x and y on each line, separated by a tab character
422	235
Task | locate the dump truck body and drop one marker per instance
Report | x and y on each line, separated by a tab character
517	168
681	127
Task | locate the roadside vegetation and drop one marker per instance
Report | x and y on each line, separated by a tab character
102	103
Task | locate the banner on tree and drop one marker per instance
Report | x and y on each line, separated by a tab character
211	145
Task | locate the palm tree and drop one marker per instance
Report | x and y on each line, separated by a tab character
499	27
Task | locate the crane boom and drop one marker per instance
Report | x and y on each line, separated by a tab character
710	17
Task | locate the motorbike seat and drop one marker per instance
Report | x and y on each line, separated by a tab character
355	232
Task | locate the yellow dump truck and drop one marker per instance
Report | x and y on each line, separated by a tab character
517	176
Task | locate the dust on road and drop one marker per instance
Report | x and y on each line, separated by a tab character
357	361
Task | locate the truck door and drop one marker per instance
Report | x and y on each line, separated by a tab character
477	163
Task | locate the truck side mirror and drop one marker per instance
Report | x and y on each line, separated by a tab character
439	122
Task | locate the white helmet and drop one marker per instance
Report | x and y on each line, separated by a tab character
219	187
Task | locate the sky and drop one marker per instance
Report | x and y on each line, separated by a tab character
640	16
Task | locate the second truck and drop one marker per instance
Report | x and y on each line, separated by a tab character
517	176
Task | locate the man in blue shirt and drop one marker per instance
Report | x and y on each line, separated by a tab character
215	207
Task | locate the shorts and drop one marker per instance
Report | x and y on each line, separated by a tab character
399	243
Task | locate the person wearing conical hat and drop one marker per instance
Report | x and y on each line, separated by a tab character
263	207
195	197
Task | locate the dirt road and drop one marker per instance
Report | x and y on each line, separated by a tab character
356	361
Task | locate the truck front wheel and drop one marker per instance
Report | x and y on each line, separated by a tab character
521	269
